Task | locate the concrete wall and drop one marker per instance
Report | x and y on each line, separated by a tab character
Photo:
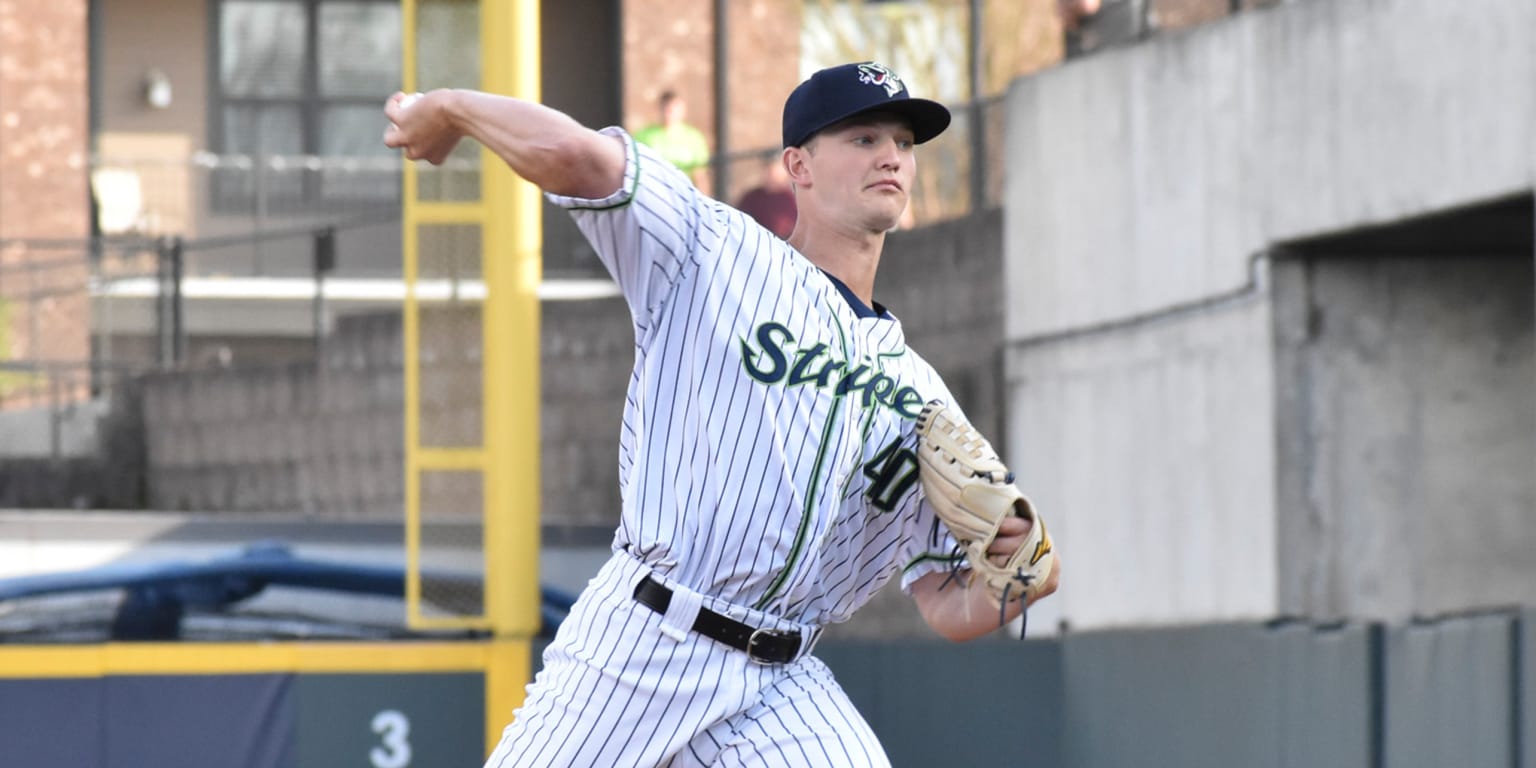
1146	179
170	36
941	280
289	439
1408	433
37	433
1148	176
1150	453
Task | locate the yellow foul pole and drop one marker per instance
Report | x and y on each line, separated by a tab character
513	270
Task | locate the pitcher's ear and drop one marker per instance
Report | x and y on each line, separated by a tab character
794	159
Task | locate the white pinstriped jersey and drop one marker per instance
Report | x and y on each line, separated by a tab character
765	452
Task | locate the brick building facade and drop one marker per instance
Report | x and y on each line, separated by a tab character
670	45
44	146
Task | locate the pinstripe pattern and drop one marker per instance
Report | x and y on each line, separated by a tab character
802	718
764	462
615	691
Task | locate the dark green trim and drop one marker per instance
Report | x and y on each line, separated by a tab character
632	155
813	488
869	423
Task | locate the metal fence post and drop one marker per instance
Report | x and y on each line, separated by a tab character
168	301
978	129
55	415
178	323
164	352
325	261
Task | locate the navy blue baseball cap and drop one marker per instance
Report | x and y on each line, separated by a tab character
838	93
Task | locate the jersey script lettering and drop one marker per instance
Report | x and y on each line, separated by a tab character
769	363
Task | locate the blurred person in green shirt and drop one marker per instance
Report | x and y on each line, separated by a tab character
674	139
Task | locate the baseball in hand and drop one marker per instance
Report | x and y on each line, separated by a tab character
405	101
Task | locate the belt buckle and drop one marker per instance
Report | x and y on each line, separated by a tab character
752	640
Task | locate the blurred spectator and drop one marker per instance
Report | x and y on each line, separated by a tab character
1074	11
677	141
1088	25
1091	25
772	201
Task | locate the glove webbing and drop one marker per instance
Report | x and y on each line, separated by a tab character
958	561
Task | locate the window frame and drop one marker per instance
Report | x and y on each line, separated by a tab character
311	106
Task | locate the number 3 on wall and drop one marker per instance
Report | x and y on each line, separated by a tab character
393	729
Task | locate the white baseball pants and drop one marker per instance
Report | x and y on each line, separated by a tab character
622	685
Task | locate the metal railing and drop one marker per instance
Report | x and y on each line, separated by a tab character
244	202
241	209
164	220
60	341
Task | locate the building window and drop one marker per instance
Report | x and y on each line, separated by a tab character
299	91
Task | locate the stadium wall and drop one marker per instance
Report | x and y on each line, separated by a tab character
1150	191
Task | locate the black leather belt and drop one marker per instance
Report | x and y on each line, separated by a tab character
764	646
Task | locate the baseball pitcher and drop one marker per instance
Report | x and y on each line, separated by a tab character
783	453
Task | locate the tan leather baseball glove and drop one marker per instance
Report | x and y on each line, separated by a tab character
973	492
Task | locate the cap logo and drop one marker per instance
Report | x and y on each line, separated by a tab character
877	74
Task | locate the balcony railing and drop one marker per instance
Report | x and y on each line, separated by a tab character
243	199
